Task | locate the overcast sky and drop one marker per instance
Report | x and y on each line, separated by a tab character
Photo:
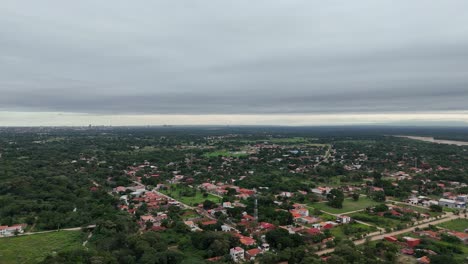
88	61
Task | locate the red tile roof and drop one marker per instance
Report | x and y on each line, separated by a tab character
211	222
253	252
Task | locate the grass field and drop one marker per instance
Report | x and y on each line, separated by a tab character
354	229
418	209
291	140
349	205
224	153
34	248
457	225
188	200
377	220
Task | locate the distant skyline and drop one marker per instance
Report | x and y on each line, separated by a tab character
233	62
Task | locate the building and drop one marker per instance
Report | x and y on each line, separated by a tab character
237	254
424	260
343	219
10	230
252	253
307	220
412	242
460	235
451	203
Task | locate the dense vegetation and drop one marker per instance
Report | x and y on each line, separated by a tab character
62	178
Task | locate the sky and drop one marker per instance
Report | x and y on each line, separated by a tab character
282	62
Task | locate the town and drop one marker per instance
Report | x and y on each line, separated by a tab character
256	198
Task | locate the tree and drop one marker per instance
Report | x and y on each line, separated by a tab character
378	196
207	204
355	196
436	208
335	198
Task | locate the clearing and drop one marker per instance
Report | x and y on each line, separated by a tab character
35	248
349	205
457	225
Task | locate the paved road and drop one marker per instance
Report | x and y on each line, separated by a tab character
450	216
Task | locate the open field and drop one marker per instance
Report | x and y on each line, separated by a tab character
354	229
418	209
289	140
379	221
224	153
457	225
176	192
349	205
34	248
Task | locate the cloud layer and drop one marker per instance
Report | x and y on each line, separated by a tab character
233	57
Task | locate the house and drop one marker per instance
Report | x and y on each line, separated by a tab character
313	231
268	226
328	225
214	259
407	251
10	230
226	228
265	247
209	222
462	198
227	205
218	209
247	241
343	219
248	217
318	225
413	200
307	220
252	253
451	203
237	254
300	212
321	190
286	194
412	242
147	218
460	235
208	186
424	260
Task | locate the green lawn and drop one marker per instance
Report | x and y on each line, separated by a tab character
379	221
349	205
352	230
288	140
224	153
457	225
189	200
418	209
34	248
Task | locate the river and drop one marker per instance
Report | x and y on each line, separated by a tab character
438	141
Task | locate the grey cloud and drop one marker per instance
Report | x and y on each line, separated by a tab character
242	57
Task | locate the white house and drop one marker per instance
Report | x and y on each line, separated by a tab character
343	219
451	203
10	230
237	254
